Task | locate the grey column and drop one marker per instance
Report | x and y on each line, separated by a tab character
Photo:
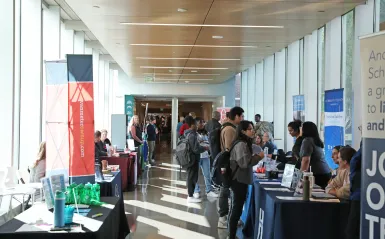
174	118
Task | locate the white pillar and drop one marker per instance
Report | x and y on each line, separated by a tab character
363	25
259	98
311	79
51	49
333	54
66	41
279	98
31	81
99	118
268	89
106	88
174	119
7	79
95	72
79	42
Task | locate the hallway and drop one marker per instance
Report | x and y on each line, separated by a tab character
158	207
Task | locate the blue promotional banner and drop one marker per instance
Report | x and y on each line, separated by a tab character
334	123
299	107
373	136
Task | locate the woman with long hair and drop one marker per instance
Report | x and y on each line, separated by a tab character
259	140
242	161
135	131
312	155
294	129
37	170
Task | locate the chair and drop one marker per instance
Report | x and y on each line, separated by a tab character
23	177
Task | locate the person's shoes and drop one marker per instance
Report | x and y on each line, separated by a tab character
197	195
193	200
212	194
152	162
222	222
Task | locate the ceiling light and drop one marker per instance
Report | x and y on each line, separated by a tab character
169	70
195	83
96	6
196	25
182	67
165	79
186	58
165	74
321	11
194	71
218	37
187	81
182	10
220	46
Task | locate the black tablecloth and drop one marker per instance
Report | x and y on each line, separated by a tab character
114	225
112	188
285	219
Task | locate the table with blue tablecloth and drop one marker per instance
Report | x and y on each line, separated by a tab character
271	218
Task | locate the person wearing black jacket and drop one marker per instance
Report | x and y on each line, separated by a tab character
195	150
214	122
99	147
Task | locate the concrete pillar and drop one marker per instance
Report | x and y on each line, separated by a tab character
79	43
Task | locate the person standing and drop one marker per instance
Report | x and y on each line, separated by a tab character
193	167
294	129
214	122
257	118
312	155
228	136
179	125
136	134
242	161
204	163
151	138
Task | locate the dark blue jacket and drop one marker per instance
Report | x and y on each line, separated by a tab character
355	175
151	133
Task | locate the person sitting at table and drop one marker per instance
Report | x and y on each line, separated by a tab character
99	147
242	161
259	140
340	185
312	155
294	129
267	139
335	158
37	170
104	138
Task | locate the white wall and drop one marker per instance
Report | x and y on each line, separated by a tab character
310	77
31	81
79	42
279	98
251	96
66	40
259	93
268	89
7	80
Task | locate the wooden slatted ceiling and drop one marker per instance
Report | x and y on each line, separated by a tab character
298	18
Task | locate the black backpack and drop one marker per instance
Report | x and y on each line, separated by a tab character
215	140
223	161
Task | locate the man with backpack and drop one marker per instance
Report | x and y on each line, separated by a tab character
193	150
227	138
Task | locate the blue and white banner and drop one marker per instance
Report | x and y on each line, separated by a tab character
299	107
334	122
373	133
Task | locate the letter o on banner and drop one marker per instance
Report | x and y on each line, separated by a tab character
380	204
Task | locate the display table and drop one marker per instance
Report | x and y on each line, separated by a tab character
127	166
111	186
113	224
272	218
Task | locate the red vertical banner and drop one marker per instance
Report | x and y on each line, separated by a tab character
81	119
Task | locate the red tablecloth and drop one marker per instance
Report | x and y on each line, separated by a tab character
126	165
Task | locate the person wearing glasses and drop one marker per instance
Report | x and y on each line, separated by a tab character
242	161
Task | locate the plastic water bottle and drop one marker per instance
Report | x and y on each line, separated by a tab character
266	159
59	209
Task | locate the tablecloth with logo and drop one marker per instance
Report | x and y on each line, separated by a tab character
271	218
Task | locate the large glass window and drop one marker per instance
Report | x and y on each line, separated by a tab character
301	65
347	71
382	15
321	80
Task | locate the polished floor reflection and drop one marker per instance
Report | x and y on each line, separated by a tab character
158	207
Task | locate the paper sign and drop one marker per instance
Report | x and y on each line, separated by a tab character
288	175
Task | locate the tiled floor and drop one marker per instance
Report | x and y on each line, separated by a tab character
158	207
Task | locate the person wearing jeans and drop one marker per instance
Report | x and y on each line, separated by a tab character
151	138
204	163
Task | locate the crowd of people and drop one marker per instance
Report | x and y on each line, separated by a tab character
237	137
